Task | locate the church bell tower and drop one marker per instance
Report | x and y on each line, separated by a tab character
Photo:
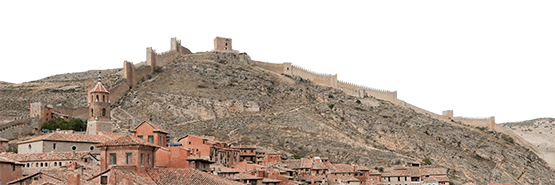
99	109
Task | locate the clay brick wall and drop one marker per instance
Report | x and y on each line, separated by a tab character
162	157
145	130
121	152
178	157
196	145
9	172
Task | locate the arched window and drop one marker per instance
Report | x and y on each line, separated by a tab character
103	112
103	98
92	98
92	112
96	97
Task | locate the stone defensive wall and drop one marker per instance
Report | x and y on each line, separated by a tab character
76	112
362	92
134	73
118	91
21	127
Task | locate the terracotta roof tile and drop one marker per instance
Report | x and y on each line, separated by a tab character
243	176
99	88
155	126
223	169
111	135
69	138
186	176
432	179
127	140
341	168
51	156
2	139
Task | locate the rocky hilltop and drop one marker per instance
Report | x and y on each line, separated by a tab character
226	96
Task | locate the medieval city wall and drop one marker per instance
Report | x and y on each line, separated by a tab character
118	91
362	91
21	127
277	68
477	122
322	79
76	112
164	58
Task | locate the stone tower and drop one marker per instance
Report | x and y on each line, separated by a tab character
99	109
222	44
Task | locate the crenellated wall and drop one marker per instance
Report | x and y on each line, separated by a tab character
363	91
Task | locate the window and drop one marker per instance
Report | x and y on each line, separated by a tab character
54	146
142	159
73	148
128	158
55	164
112	158
151	139
103	98
97	98
159	140
148	159
103	179
91	147
92	112
13	167
103	112
29	146
140	137
27	165
59	163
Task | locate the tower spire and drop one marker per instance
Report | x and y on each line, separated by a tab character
99	77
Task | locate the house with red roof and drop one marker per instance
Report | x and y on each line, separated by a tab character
152	133
9	170
57	142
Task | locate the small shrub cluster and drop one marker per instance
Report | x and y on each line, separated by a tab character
72	124
427	161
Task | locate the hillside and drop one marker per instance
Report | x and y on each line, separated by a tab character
225	95
539	133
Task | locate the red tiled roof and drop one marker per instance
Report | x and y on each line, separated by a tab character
186	176
126	140
51	156
292	163
128	175
99	88
306	163
111	135
2	139
266	180
69	138
7	160
243	176
223	169
156	127
341	168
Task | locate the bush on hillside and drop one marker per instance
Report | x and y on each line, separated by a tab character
72	124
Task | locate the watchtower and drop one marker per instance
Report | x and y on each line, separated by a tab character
99	109
221	43
448	113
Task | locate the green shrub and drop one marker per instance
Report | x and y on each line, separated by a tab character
358	101
14	150
201	86
427	161
331	106
148	76
157	69
72	124
297	156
